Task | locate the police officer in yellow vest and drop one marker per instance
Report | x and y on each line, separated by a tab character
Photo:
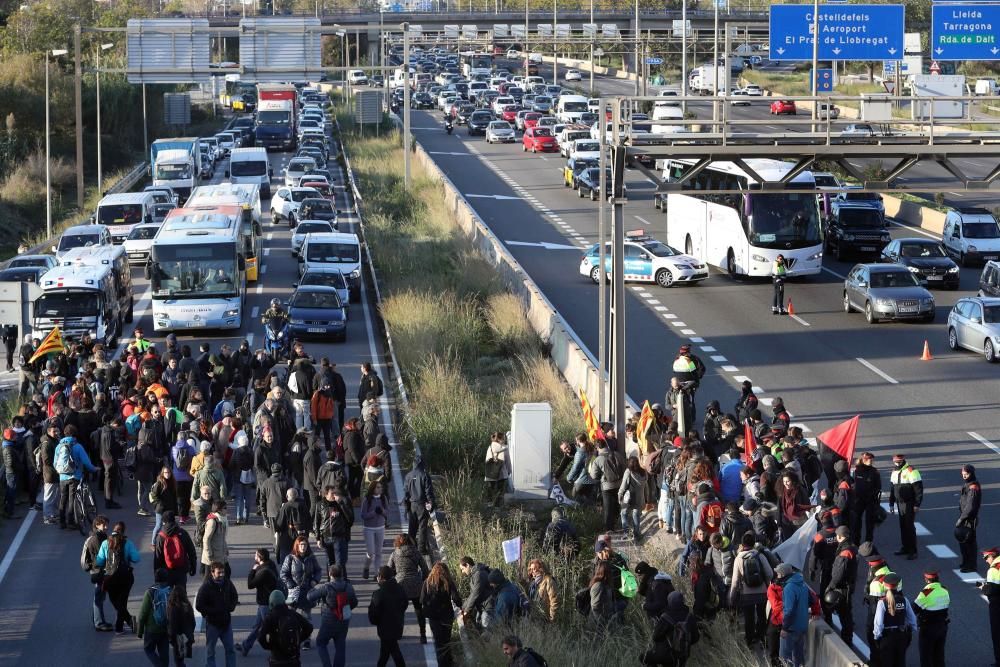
931	607
907	490
779	271
991	589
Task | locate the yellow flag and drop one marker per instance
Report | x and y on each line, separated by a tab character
642	427
53	343
594	431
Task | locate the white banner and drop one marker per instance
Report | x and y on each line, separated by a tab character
795	549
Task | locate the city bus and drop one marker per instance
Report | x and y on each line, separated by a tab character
247	197
197	271
743	233
476	63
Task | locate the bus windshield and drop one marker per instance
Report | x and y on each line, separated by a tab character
119	214
784	221
575	107
67	304
194	270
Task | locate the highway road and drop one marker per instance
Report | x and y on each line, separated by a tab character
46	600
826	365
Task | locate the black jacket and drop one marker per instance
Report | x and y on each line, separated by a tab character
479	588
658	587
970	499
89	553
277	618
734	525
328	524
216	602
273	493
371	430
354	448
293	513
312	460
845	567
264	580
304	374
166	497
331	473
370	383
418	489
867	485
387	610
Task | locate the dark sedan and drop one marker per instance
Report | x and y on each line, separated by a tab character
22	274
589	182
465	112
423	101
926	259
479	121
316	310
315	208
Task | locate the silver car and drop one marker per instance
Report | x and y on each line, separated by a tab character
974	324
500	131
887	292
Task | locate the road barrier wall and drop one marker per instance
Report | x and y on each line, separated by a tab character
584	65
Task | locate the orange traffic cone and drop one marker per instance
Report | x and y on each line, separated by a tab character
791	308
926	356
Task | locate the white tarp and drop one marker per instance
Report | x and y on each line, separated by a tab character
795	550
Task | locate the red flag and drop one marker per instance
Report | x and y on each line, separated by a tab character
590	419
842	437
749	442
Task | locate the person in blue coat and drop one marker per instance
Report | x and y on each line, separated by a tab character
506	600
730	483
70	478
116	559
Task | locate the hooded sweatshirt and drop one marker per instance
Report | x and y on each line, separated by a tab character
795	604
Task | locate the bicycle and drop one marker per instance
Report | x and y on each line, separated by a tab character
84	507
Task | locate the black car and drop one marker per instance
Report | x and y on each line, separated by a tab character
23	274
588	118
479	121
588	182
318	208
465	112
926	259
243	125
377	80
422	101
856	228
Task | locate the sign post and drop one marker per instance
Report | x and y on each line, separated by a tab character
846	32
965	32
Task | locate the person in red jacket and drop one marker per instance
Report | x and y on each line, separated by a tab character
323	408
775	615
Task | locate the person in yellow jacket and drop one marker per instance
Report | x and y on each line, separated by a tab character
779	271
931	607
991	589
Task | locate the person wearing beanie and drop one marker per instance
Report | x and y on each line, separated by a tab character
152	620
843	576
931	608
272	495
906	490
969	501
560	536
676	614
843	493
335	619
283	632
895	623
174	551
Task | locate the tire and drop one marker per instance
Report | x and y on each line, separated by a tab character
838	252
961	259
664	278
579	191
595	275
275	218
870	313
731	264
534	149
847	304
593	195
524	149
989	352
131	311
952	338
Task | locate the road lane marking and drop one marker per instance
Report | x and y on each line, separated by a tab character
707	348
270	235
921	529
984	441
662	309
679	324
260	287
730	369
688	332
870	366
255	312
641	219
696	339
968	577
719	358
763	400
941	551
22	532
249	338
800	320
834	273
669	316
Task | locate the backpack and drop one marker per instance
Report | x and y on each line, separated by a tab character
679	642
812	470
130	458
243	458
339	605
173	551
63	462
539	659
680	482
113	562
184	458
133	424
494	467
752	575
287	639
583	601
630	586
159	597
217	412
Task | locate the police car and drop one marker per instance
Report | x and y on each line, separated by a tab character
647	260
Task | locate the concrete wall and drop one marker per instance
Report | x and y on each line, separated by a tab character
584	66
914	214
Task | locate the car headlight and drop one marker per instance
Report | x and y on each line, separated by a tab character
953	269
886	238
232	312
927	302
848	237
884	302
759	258
973	248
913	269
356	273
815	255
295	321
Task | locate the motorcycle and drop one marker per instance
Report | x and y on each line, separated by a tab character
448	126
276	340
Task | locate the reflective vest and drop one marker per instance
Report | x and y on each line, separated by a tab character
934	597
683	364
779	270
141	344
905	475
876	588
993	574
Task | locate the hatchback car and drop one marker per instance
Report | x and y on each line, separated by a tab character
297	167
305	228
589	182
286	201
574	75
315	310
500	132
138	243
974	324
318	208
781	107
926	259
479	121
22	274
887	291
327	278
537	139
573	168
24	261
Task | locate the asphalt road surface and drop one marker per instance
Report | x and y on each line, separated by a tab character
825	364
46	599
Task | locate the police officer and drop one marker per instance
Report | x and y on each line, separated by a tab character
10	340
867	496
969	501
843	493
931	607
824	550
906	490
991	589
779	271
894	624
843	575
878	568
687	366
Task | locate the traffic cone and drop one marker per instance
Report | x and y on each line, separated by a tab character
926	356
791	308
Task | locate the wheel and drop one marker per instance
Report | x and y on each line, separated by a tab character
131	311
524	149
952	338
688	246
870	313
579	191
847	304
731	263
961	259
534	149
595	275
838	252
274	217
989	352
664	278
593	195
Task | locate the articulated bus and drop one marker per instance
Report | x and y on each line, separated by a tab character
197	270
744	233
247	197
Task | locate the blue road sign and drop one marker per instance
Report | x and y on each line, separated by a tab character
888	67
965	32
654	61
824	80
846	32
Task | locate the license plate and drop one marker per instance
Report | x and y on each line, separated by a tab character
315	330
990	256
135	254
196	324
935	277
908	309
867	248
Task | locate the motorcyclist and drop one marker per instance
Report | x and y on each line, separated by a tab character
276	318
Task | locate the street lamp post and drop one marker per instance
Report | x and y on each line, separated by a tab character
100	173
48	145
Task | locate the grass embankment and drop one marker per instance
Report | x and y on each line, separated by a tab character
467	353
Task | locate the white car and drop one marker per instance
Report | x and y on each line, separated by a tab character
585	149
286	201
739	98
500	102
971	235
139	241
306	227
513	53
500	132
309	124
569	135
574	75
594	104
297	168
313	178
753	90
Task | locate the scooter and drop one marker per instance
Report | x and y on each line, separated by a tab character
448	126
276	340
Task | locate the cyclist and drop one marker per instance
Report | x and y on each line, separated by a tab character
70	461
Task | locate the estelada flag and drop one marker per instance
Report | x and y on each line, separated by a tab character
53	343
642	427
842	437
594	431
749	443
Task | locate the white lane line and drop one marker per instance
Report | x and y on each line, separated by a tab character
22	532
941	551
984	441
834	273
707	348
249	338
800	320
263	269
764	400
730	369
921	529
679	324
968	577
650	299
270	235
267	252
719	358
642	220
662	309
741	378
260	287
255	312
696	339
688	332
870	366
669	316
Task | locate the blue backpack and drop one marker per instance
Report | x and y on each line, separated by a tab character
159	596
63	462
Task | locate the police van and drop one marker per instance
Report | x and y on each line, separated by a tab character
646	260
89	290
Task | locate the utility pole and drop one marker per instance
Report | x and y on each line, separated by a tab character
602	282
406	106
78	88
684	55
591	47
617	416
812	85
637	66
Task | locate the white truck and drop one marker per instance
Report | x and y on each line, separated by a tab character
177	169
707	79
